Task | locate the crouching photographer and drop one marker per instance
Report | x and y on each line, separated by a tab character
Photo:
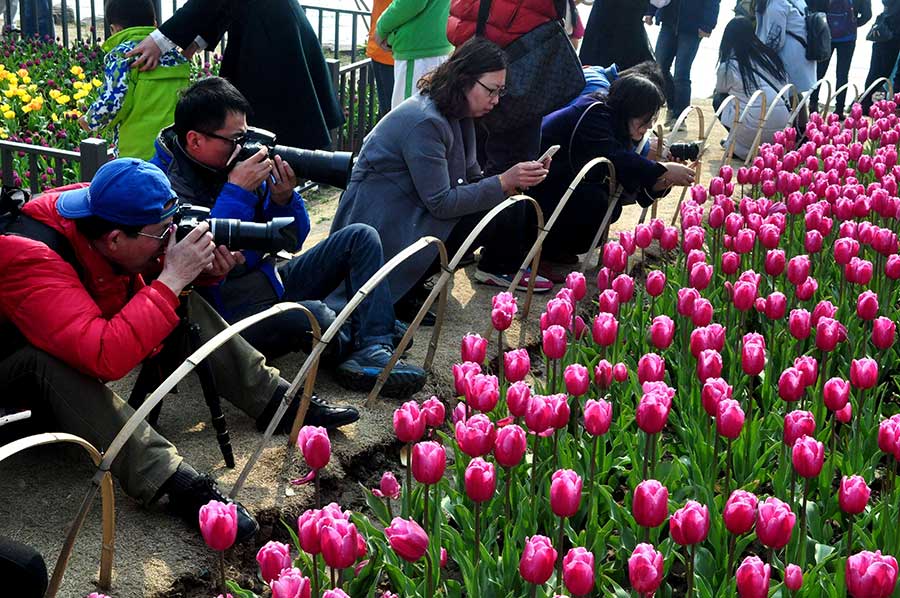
75	313
205	158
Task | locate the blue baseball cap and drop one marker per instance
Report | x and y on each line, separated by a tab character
126	191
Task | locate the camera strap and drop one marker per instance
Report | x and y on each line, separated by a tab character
21	225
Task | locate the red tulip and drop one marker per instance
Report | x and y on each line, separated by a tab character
651	368
883	332
889	436
603	374
538	558
597	416
339	540
790	384
389	487
608	302
483	392
793	577
407	539
577	379
871	575
291	584
578	284
565	493
474	348
509	445
537	418
689	524
218	524
462	373
605	329
650	504
798	269
559	411
656	283
796	424
517	397
867	306
799	323
740	512
475	436
480	480
853	495
864	373
709	364
729	419
807	455
315	445
645	569
578	571
714	391
428	462
409	422
272	558
774	523
435	412
752	578
753	354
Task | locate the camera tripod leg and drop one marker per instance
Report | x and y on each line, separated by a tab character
213	401
148	379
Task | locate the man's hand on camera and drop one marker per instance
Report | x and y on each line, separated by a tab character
250	174
148	55
223	262
284	181
188	258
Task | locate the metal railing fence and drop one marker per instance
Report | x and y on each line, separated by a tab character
91	155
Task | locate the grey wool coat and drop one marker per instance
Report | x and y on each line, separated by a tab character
416	175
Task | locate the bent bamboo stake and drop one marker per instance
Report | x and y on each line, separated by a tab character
717	117
107	500
795	95
846	86
757	95
807	96
681	118
871	88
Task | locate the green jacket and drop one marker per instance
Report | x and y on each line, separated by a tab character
416	28
150	96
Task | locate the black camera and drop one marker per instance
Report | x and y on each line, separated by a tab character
272	236
686	151
328	168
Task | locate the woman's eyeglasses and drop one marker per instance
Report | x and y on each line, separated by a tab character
494	92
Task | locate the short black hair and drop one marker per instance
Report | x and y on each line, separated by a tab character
634	96
205	105
649	69
94	227
448	84
130	13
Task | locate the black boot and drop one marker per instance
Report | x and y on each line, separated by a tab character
318	414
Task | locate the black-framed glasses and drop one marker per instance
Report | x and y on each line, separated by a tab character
234	141
494	92
163	238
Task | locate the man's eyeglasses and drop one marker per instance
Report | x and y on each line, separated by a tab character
494	92
234	141
163	238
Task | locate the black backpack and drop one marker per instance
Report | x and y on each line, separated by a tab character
818	33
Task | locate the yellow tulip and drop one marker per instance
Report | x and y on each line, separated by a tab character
26	108
26	79
9	93
9	114
63	99
76	70
4	134
22	73
94	82
25	98
54	93
81	75
54	117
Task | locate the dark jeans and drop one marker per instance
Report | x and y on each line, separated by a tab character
884	57
680	48
347	258
384	85
844	56
37	17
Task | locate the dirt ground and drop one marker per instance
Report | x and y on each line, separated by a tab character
158	555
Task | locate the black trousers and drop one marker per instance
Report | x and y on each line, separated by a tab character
844	52
884	57
22	570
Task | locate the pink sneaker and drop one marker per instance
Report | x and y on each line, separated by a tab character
541	284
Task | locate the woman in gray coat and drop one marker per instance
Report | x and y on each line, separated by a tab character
417	174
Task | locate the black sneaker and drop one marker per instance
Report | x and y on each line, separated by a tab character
318	414
192	490
360	372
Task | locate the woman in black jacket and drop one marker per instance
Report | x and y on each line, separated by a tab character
610	126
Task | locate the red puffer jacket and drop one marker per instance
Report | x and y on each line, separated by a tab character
507	21
103	325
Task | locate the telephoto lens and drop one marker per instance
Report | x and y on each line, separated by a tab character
687	151
272	236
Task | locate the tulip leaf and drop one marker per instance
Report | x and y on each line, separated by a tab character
237	591
377	506
823	551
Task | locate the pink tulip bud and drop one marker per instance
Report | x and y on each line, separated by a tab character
798	269
597	416
620	372
581	329
700	275
844	415
752	578
291	584
883	332
800	324
565	493
578	284
806	289
668	240
462	373
650	503
689	524
475	436
790	384
537	418
407	539
776	305
578	571
559	312
509	445
864	373
656	283
339	540
796	424
645	569
409	422
608	302
651	368
517	397
709	364
740	512
605	329
614	256
538	559
703	312
853	495
218	524
435	412
774	523
836	393
889	436
503	309
731	261
729	419
559	411
714	391
807	455
662	331
623	285
554	344
315	446
480	480
744	295
793	577
871	575
686	299
308	531
577	379
474	348
516	364
389	487
753	354
483	392
335	593
892	267
429	462
867	306
775	260
272	558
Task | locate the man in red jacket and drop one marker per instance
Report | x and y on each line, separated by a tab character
80	314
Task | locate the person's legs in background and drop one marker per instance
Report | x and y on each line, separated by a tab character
684	58
384	85
884	57
37	18
842	72
821	69
407	74
10	10
666	47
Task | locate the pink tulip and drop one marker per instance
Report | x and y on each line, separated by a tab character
731	261
807	455
703	312
864	373
836	393
776	305
744	295
709	364
516	364
565	493
656	283
796	424
537	418
867	306
650	503
614	256
798	269
603	374
315	445
407	539
793	577
335	593
689	524
517	397
700	275
799	324
578	284
578	571
475	436
483	392
774	523
597	416
480	480
844	415
559	312
308	531
608	302
713	392
775	262
605	329
474	348
806	289
620	372
509	445
503	308
538	558
662	331
645	569
871	575
809	369
889	436
462	373
790	384
389	487
753	354
686	299
291	584
883	332
729	418
435	412
559	411
752	578
853	495
581	329
428	462
339	540
652	413
651	368
623	285
577	379
409	422
554	344
218	524
740	512
668	240
272	558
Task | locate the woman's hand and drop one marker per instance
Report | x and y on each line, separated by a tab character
522	176
676	175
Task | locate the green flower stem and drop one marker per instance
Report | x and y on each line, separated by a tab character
500	372
801	546
477	535
559	560
315	575
318	490
729	470
407	492
508	505
690	569
221	567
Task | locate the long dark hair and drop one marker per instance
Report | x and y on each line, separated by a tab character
739	43
633	96
448	84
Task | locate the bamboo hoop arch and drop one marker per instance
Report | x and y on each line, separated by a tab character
702	137
732	136
107	499
807	96
871	88
795	95
660	146
845	87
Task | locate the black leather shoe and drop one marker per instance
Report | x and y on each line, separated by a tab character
188	495
329	416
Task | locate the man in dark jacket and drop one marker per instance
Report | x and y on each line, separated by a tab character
197	154
684	24
885	48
